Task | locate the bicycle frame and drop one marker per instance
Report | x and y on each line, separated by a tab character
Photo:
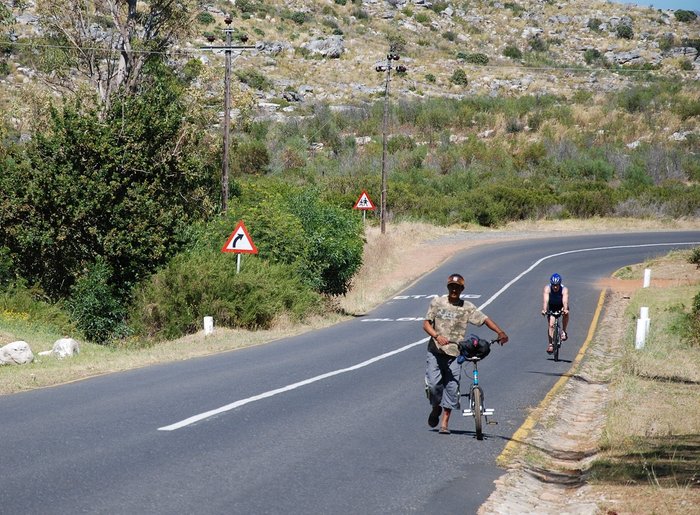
556	331
469	412
477	408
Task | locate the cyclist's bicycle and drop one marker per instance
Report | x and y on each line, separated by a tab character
477	409
556	335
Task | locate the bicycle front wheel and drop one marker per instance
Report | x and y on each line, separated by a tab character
477	409
556	341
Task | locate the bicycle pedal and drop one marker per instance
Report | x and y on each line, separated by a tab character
492	422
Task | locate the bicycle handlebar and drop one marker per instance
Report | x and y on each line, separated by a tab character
555	314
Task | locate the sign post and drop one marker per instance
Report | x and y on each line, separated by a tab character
364	203
239	243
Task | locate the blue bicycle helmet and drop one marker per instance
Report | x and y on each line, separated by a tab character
555	279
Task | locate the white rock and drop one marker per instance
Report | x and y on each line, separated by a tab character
16	353
65	347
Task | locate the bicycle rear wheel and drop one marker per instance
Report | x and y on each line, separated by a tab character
477	410
556	341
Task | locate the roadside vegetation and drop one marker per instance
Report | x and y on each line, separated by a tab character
651	436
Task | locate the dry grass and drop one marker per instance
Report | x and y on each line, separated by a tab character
652	447
391	262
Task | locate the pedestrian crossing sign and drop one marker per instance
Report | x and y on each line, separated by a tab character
364	202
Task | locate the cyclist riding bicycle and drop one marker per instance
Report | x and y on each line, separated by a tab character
556	298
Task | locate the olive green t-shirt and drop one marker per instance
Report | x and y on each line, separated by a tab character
450	320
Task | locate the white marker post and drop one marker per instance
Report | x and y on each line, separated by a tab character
643	323
208	325
647	277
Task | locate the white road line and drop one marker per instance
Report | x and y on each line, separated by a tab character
207	414
508	285
242	402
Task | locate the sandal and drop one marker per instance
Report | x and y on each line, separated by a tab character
550	349
444	431
564	336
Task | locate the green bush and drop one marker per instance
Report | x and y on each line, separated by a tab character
254	79
459	77
517	9
513	52
637	178
251	157
590	55
400	142
334	239
685	16
247	6
7	273
192	69
637	98
518	202
478	58
17	301
538	44
695	257
291	225
438	6
124	194
587	204
666	42
198	284
685	64
96	307
298	17
205	18
594	24
624	31
422	18
429	77
587	168
6	16
687	108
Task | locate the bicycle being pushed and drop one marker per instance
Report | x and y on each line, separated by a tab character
556	332
473	350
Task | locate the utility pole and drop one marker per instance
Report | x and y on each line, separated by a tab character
227	104
386	68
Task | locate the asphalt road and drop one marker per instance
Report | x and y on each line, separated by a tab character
333	421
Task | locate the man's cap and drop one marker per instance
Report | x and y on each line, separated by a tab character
455	279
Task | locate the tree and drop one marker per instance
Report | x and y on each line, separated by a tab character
109	41
126	186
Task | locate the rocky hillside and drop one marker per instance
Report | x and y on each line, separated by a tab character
327	50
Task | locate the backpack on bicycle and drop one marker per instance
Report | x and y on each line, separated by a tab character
474	347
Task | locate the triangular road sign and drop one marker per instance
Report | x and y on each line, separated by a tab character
240	241
363	202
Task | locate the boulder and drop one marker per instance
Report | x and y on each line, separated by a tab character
16	353
65	347
331	47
